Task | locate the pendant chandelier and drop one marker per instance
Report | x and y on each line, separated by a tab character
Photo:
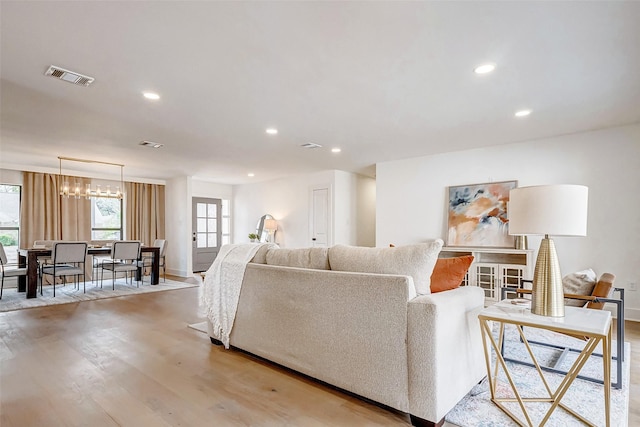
78	191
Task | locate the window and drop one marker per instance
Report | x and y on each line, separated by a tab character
226	223
10	220
106	219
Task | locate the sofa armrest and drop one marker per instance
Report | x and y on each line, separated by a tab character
444	347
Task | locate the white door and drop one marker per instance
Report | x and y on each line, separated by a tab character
320	219
207	232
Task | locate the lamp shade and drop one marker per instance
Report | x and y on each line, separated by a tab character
559	210
270	224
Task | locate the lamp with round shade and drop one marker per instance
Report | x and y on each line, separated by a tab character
559	210
271	225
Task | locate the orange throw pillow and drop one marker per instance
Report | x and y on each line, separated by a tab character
448	273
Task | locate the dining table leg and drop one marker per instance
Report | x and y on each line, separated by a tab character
32	274
155	267
22	280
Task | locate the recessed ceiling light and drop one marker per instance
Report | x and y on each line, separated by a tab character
151	95
336	150
484	68
523	113
272	131
251	174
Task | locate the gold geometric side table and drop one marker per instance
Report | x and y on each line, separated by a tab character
594	324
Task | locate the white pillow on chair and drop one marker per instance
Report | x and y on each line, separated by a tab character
579	283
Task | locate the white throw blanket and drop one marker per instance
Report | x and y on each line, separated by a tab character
220	292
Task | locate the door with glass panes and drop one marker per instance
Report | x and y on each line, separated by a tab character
207	232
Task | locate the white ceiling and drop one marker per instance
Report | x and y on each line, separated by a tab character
381	80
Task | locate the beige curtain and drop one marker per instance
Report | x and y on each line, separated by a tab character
44	215
144	212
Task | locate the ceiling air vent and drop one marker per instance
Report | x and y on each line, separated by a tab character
69	76
310	145
151	144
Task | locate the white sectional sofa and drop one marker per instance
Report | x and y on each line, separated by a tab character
369	333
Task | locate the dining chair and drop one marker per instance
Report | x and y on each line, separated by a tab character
601	293
43	260
147	261
68	259
125	255
13	271
98	259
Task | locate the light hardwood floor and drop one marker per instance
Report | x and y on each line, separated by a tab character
132	361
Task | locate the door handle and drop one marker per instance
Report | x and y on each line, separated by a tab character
194	236
313	239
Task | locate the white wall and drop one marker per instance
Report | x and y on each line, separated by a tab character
354	209
287	199
178	226
8	176
344	208
213	190
366	211
412	195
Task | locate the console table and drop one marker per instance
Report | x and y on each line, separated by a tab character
29	258
594	324
494	268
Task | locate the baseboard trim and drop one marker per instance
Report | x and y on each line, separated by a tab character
179	273
632	314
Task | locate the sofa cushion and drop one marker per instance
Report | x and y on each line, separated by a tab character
578	283
315	258
449	273
261	256
416	261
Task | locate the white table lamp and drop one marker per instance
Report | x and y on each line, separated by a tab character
559	210
271	225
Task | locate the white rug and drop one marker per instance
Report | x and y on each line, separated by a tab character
200	327
14	300
586	398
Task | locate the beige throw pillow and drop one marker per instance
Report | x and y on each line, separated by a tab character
261	256
315	258
416	261
579	283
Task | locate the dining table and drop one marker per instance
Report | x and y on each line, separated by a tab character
29	258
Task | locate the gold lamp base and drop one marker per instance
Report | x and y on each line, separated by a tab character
547	293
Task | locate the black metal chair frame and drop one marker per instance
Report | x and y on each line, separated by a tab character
619	357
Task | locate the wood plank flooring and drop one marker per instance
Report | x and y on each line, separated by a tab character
132	361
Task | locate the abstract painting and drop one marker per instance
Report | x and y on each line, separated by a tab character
478	215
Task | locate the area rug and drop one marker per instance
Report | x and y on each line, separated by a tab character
14	300
200	327
586	398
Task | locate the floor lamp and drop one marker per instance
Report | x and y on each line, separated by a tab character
559	210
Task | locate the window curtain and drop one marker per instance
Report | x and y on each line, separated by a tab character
44	215
145	217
